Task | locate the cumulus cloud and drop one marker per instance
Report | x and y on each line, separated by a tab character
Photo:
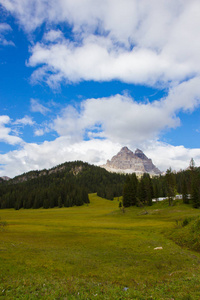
43	128
96	130
106	124
128	21
4	29
109	124
176	157
135	41
53	36
5	132
122	119
38	107
98	58
24	121
35	157
39	132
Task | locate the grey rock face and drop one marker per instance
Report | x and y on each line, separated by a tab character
5	178
128	162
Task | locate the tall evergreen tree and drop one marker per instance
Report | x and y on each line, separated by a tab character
195	192
184	191
148	189
127	193
130	191
141	193
170	185
145	189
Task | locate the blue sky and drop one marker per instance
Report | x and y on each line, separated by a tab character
80	79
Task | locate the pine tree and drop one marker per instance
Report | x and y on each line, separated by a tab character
130	191
141	191
37	201
170	185
134	187
59	202
126	193
148	189
195	193
184	191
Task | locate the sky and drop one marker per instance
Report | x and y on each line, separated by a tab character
80	79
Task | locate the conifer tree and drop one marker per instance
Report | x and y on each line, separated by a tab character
141	190
148	189
59	202
195	193
170	185
130	191
184	191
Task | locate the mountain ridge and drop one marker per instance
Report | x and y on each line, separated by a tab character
125	161
5	178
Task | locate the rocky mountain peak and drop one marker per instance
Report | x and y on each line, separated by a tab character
125	161
124	152
125	149
139	153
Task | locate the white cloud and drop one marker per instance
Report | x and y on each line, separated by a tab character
43	128
39	132
4	119
119	120
176	157
53	36
5	132
4	29
122	19
138	41
37	107
35	157
24	121
49	154
30	13
124	120
69	124
135	41
98	58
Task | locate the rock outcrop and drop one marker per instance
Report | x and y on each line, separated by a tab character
128	162
6	178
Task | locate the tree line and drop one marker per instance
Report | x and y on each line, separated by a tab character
65	185
185	183
69	184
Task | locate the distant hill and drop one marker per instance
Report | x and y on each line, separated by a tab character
67	184
4	178
128	162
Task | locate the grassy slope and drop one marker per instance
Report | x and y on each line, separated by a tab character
96	252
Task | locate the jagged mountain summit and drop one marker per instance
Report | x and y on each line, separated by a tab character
128	162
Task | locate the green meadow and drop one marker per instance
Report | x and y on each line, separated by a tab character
96	251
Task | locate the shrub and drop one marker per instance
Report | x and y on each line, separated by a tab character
186	221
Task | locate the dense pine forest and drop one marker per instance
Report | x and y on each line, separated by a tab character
69	184
185	183
65	185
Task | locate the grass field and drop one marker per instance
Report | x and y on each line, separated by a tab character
96	252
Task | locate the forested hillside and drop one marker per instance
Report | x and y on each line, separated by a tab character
65	185
186	183
68	184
